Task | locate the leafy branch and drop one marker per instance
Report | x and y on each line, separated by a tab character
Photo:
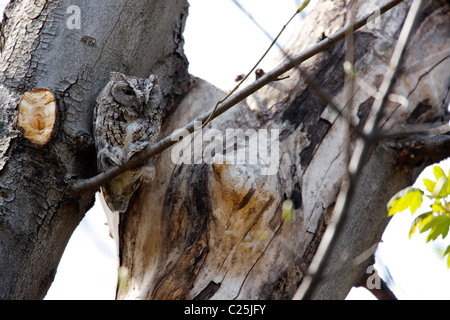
363	146
437	220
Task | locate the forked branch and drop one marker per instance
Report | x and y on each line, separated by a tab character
315	272
82	185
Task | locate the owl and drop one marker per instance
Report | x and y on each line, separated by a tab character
127	119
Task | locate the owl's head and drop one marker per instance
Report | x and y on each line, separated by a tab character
136	94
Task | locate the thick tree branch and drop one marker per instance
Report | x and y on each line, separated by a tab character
224	227
83	185
43	47
345	198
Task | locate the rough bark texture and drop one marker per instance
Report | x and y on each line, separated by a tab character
205	231
39	50
216	231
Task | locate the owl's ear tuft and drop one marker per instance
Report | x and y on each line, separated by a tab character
115	76
153	78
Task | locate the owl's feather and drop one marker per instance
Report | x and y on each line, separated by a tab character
127	119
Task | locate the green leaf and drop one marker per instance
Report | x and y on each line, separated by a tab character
448	258
447	251
437	206
440	188
420	221
407	198
448	262
438	172
448	183
303	6
429	185
439	226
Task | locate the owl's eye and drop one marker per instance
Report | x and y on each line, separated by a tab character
128	92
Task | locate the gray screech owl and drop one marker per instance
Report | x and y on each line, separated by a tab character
127	119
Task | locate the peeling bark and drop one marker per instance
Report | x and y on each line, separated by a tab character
41	50
201	231
206	231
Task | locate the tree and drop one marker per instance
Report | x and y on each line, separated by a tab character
42	46
211	230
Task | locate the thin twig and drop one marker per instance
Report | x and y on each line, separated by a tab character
211	116
321	93
82	185
334	229
425	129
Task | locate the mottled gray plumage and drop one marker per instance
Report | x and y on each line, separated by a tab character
127	119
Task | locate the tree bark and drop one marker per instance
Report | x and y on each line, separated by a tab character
205	231
216	231
44	46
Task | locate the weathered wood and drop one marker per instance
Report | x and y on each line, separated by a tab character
206	231
202	231
44	46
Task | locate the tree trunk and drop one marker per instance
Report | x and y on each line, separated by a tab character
207	231
218	231
68	47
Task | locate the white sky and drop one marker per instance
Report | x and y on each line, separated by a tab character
221	42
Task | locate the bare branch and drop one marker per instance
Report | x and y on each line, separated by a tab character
328	242
402	132
83	185
321	93
274	41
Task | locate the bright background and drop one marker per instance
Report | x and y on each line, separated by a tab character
222	42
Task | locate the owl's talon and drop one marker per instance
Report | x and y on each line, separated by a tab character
111	156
